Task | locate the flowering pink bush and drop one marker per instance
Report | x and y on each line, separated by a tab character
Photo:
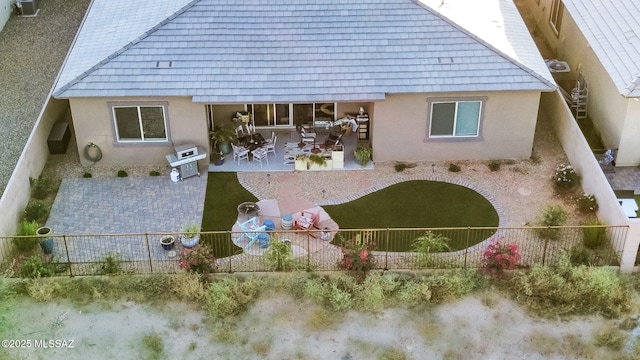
198	259
501	256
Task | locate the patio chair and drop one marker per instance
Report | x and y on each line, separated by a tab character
307	136
332	140
251	231
260	154
307	221
239	153
239	131
270	146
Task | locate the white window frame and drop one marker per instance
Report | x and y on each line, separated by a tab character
142	140
476	136
555	15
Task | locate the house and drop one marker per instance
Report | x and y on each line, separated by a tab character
454	79
599	39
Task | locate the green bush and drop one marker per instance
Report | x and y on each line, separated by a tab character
112	264
41	187
122	173
427	244
376	291
153	343
494	165
87	175
573	290
228	296
587	203
28	243
453	284
34	267
35	211
339	299
566	178
579	255
280	256
594	235
454	168
552	215
413	293
154	173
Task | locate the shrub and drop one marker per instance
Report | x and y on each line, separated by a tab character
452	285
400	166
112	264
357	255
375	291
454	168
153	343
587	203
594	234
34	267
494	165
280	256
552	215
501	256
122	173
413	293
154	173
228	296
25	244
35	211
187	285
339	299
198	259
427	244
87	175
566	289
566	178
41	187
610	336
579	255
42	289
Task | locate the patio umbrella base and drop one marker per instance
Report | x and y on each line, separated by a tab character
316	150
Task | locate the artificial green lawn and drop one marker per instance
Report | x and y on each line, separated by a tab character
224	194
410	204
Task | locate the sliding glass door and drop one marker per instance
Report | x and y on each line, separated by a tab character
288	115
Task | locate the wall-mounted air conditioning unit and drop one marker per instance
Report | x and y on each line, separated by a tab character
28	7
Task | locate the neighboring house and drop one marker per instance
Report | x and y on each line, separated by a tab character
6	8
601	40
454	79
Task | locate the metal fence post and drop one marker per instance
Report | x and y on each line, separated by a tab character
466	247
386	253
544	249
229	252
66	249
146	237
308	251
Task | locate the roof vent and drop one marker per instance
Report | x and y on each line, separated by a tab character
164	64
445	60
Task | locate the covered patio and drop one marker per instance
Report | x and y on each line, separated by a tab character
287	146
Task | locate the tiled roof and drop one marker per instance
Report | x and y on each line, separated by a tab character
612	29
228	51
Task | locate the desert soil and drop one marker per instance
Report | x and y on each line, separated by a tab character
485	326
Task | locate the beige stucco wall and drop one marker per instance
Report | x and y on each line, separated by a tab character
507	128
93	123
611	113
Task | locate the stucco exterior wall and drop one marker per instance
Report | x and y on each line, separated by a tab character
6	8
607	109
507	128
186	123
629	148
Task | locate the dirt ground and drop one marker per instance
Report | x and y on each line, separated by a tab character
485	326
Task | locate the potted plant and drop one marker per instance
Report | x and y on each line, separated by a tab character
363	154
317	161
301	162
190	235
217	158
222	137
167	242
46	241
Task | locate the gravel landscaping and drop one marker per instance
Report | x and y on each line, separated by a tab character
32	50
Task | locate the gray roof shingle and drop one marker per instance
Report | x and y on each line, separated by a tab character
612	29
230	51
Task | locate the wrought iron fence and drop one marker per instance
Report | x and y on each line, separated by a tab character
392	249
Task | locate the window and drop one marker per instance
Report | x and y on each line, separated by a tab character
280	114
455	118
555	18
140	123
